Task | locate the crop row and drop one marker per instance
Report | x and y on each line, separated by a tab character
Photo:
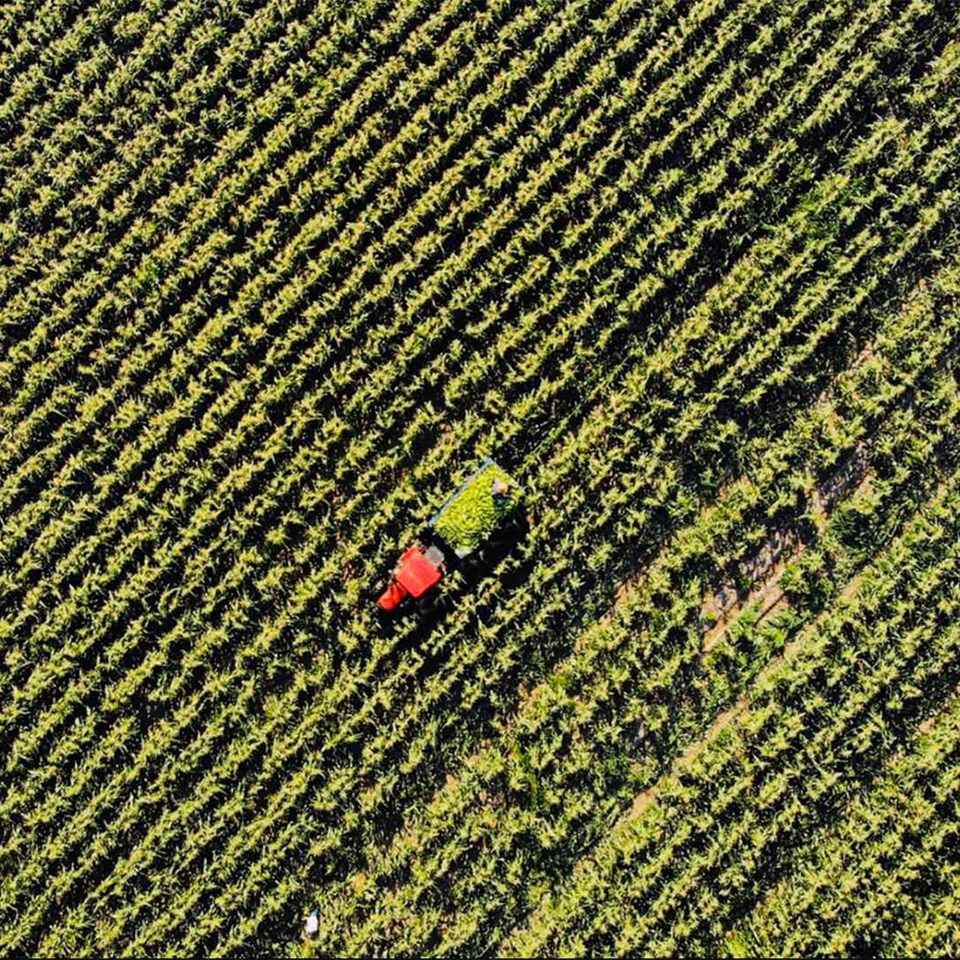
278	441
127	255
870	869
599	675
807	739
223	593
503	655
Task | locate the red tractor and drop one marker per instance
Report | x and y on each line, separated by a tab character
417	572
462	524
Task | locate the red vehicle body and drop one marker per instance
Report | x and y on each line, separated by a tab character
417	572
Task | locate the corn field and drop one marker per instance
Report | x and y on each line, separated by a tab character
277	275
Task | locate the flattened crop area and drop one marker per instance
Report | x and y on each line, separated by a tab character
276	277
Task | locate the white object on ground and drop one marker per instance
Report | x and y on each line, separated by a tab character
312	925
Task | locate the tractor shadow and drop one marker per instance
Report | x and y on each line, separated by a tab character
482	562
429	610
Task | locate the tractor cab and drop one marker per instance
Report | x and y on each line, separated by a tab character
418	571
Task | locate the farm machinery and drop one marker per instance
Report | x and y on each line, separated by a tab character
484	503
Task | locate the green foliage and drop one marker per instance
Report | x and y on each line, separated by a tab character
474	513
268	271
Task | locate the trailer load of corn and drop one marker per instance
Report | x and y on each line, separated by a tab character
477	509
